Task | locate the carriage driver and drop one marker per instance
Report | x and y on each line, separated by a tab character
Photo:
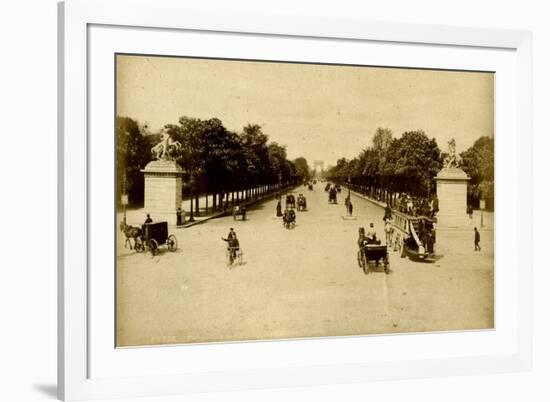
371	234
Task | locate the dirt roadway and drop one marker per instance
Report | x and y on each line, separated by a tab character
297	283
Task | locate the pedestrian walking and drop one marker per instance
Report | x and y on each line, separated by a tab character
477	239
350	208
279	208
178	217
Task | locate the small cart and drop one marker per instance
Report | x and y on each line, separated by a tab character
154	235
239	210
373	253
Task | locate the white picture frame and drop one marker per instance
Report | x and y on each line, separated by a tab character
76	337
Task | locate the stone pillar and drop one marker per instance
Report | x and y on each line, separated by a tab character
163	185
452	187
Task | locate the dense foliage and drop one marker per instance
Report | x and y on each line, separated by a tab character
389	166
215	160
132	154
478	163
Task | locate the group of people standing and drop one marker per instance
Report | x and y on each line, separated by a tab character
417	206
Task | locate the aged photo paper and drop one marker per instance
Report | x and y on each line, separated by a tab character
262	200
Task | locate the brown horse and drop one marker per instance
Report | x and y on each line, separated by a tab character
131	232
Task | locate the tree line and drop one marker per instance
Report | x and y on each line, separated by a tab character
215	160
408	164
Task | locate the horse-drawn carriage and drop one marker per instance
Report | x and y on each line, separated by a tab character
332	196
414	236
239	210
153	236
289	219
373	253
290	201
302	203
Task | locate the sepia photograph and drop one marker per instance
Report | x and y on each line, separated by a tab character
269	200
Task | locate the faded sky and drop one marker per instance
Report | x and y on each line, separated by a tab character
319	112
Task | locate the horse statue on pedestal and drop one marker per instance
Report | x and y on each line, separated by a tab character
452	159
165	149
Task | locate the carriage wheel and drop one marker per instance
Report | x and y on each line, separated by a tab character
153	246
402	248
139	246
172	243
359	259
386	264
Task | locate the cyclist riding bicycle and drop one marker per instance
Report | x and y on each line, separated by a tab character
232	243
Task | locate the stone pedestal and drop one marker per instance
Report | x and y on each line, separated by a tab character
452	186
163	185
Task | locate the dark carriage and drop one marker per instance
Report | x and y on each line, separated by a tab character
332	196
239	210
154	235
374	254
289	219
302	203
290	201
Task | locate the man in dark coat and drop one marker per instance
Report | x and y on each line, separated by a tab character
178	217
477	239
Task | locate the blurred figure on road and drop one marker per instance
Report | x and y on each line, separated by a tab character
362	238
231	234
388	230
232	243
477	239
178	217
